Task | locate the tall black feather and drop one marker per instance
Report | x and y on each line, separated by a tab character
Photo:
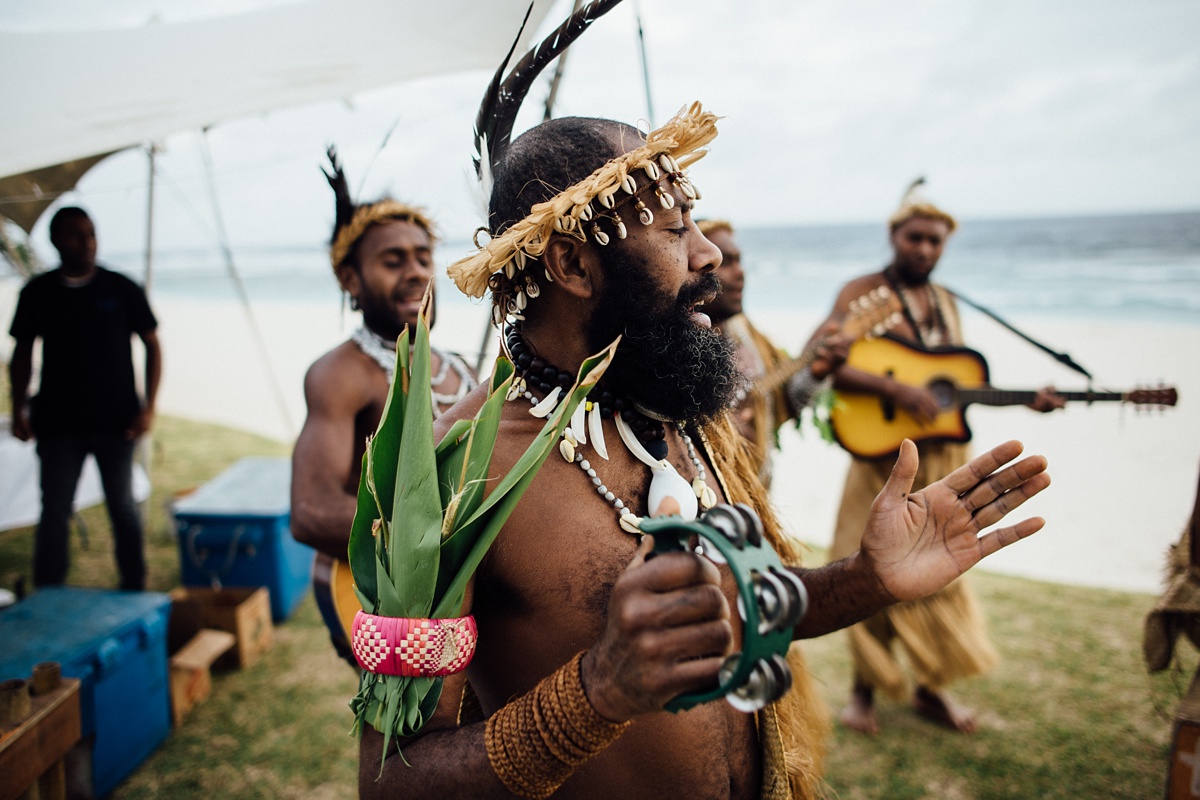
344	208
498	112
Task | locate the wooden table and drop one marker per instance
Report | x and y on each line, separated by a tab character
35	748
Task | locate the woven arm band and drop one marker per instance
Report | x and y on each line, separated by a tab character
536	741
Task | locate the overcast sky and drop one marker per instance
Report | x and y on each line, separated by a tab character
1011	109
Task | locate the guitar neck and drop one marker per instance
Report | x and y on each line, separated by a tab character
778	375
1020	397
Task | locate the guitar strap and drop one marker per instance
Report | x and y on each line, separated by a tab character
935	310
1062	358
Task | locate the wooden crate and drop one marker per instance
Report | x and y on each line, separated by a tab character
191	669
244	612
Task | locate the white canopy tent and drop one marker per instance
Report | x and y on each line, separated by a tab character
73	97
74	94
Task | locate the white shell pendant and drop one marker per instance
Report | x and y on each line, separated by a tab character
669	483
578	425
547	405
596	431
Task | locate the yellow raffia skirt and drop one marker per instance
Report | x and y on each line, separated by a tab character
944	636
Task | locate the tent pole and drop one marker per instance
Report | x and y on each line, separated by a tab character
240	287
559	68
145	446
151	153
637	13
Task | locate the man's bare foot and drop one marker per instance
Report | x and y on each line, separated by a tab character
938	707
859	713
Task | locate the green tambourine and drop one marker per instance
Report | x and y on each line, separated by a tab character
771	602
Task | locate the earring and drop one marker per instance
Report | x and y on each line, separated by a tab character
353	303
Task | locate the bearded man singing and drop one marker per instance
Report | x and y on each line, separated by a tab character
583	638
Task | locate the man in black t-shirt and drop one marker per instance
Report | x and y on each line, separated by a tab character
87	400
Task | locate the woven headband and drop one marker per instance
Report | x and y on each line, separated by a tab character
370	214
576	210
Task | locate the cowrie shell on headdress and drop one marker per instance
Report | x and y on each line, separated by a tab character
520	258
629	184
600	236
585	212
532	290
521	301
644	213
651	170
696	191
606	198
548	276
621	232
510	269
687	188
665	199
497	315
666	162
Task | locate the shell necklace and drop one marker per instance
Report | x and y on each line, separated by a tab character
384	354
587	421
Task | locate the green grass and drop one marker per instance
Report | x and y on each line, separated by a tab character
1070	712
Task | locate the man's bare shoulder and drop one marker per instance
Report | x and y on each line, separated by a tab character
863	284
344	374
517	426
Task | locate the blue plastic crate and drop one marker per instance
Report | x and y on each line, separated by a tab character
116	644
235	531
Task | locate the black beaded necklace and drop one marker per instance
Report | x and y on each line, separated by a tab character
937	323
541	375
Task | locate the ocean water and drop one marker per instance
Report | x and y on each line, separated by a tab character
1133	268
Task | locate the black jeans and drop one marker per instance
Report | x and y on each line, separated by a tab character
62	458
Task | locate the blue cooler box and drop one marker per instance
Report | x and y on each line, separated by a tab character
116	644
234	531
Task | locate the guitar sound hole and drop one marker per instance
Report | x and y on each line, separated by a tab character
943	392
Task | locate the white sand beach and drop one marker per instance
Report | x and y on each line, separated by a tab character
1124	481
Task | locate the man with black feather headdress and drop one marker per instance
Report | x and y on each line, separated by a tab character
584	636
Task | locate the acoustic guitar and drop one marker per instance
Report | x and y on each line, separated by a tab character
870	315
333	588
869	426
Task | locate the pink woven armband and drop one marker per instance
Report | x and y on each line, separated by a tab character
427	648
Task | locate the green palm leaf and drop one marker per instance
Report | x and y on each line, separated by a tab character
432	514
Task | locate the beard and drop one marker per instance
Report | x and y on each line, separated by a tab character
666	363
380	315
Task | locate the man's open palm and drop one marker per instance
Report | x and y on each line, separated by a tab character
918	542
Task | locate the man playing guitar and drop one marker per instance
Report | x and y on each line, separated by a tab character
382	256
943	635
